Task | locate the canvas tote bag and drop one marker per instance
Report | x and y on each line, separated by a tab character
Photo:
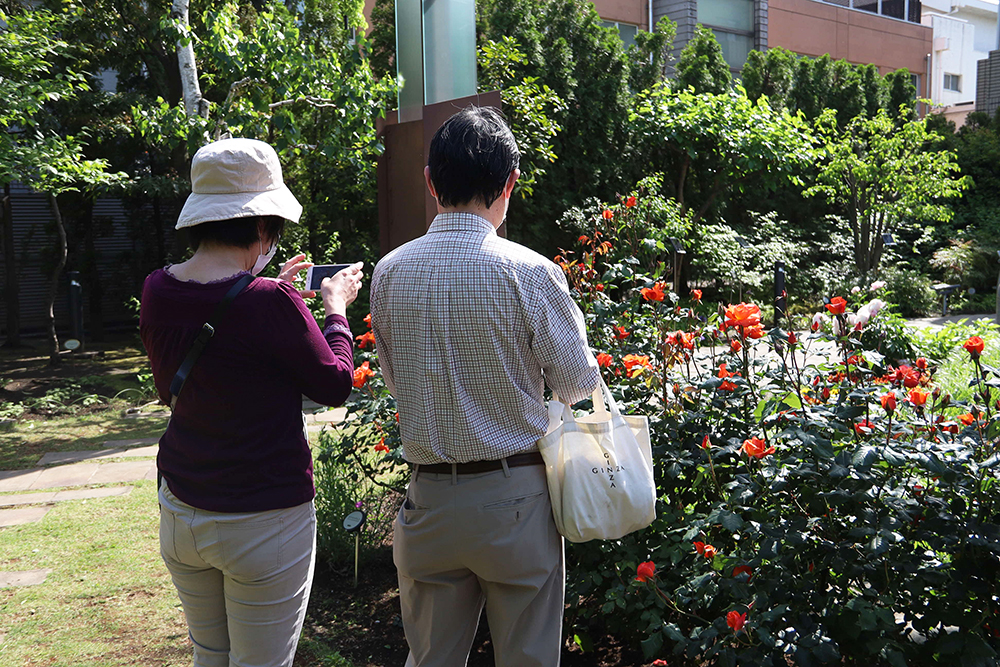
599	469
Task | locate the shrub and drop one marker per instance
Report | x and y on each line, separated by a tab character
812	508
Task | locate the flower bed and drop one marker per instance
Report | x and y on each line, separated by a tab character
820	499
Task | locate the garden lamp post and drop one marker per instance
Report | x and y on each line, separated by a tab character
679	253
780	296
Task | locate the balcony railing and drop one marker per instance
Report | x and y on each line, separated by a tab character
903	10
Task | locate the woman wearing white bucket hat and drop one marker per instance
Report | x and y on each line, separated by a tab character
237	523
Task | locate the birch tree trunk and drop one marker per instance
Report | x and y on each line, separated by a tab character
54	281
194	103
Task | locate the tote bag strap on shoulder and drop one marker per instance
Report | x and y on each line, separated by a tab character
206	333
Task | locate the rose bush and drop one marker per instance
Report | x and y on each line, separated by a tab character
821	500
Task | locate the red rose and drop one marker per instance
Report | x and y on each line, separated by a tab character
888	402
620	333
736	621
700	548
742	569
709	551
705	442
380	447
604	360
837	305
645	571
608	214
974	346
368	320
696	294
792	340
922	364
630	202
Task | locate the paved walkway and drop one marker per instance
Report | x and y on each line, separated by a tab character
26	496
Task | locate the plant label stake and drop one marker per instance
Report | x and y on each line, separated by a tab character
352	524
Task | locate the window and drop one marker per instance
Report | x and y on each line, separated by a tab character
732	22
953	82
626	31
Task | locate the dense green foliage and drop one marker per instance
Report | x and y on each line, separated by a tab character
821	499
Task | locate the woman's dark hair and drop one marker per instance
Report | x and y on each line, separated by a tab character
235	232
471	157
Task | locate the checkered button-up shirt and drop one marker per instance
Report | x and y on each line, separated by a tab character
469	328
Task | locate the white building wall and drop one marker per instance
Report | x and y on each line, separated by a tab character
954	54
965	31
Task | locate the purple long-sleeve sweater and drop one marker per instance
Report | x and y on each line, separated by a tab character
235	441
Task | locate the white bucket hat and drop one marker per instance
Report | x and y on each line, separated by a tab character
237	178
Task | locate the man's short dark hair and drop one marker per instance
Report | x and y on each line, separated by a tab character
471	157
236	232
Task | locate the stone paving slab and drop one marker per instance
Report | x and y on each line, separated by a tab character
132	442
125	471
19	480
27	578
59	496
76	474
53	458
22	516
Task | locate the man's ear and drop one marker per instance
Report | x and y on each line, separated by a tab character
508	188
430	185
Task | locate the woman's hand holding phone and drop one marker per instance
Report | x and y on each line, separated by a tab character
291	269
341	290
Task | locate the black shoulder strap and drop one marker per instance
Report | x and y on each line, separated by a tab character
207	331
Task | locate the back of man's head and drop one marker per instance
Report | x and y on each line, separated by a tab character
471	157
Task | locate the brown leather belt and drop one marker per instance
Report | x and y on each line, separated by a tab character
475	467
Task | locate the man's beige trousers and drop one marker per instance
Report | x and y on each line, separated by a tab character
462	541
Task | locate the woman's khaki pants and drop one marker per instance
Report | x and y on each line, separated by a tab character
243	579
462	541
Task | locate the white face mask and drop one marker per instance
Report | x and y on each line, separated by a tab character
263	259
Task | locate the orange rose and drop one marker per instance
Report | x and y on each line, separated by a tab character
696	294
837	305
634	363
604	360
608	214
654	293
756	448
918	396
742	315
366	339
362	374
630	202
888	402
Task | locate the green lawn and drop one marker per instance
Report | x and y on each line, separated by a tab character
31	438
108	600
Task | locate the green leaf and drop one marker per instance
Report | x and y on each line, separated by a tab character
652	644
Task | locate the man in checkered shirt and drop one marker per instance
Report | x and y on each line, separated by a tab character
469	329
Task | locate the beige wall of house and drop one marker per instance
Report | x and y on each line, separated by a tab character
635	12
813	28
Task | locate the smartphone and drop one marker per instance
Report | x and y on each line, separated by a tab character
316	274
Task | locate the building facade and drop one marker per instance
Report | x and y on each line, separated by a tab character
886	33
965	31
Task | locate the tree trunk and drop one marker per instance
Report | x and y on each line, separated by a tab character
194	103
12	291
54	281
